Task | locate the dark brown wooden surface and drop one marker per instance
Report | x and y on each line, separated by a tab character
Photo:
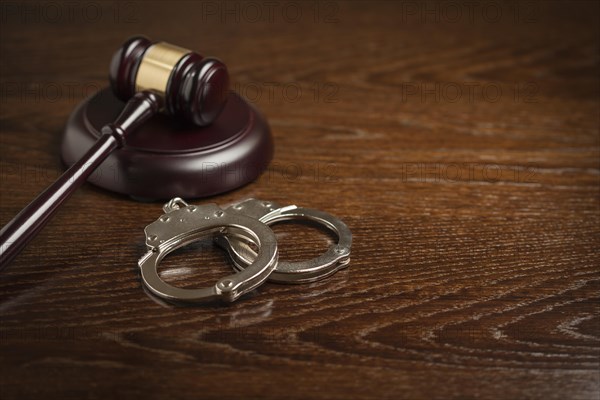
475	262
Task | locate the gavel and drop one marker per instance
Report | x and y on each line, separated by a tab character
152	77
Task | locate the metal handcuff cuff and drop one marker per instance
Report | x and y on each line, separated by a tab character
269	213
237	229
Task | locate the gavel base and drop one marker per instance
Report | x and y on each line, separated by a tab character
168	158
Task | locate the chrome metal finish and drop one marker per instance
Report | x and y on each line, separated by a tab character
183	224
334	259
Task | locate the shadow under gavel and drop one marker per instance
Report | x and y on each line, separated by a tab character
151	77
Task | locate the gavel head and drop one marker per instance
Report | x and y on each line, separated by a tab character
192	86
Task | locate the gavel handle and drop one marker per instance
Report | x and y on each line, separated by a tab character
22	228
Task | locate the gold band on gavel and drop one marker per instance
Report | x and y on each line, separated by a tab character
156	67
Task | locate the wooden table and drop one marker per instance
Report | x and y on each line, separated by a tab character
459	141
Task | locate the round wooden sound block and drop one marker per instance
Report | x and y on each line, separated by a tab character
167	157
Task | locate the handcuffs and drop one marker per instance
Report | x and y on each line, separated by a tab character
243	231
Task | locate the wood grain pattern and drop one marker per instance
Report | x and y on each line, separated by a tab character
475	265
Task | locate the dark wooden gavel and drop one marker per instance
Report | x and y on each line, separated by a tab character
151	77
